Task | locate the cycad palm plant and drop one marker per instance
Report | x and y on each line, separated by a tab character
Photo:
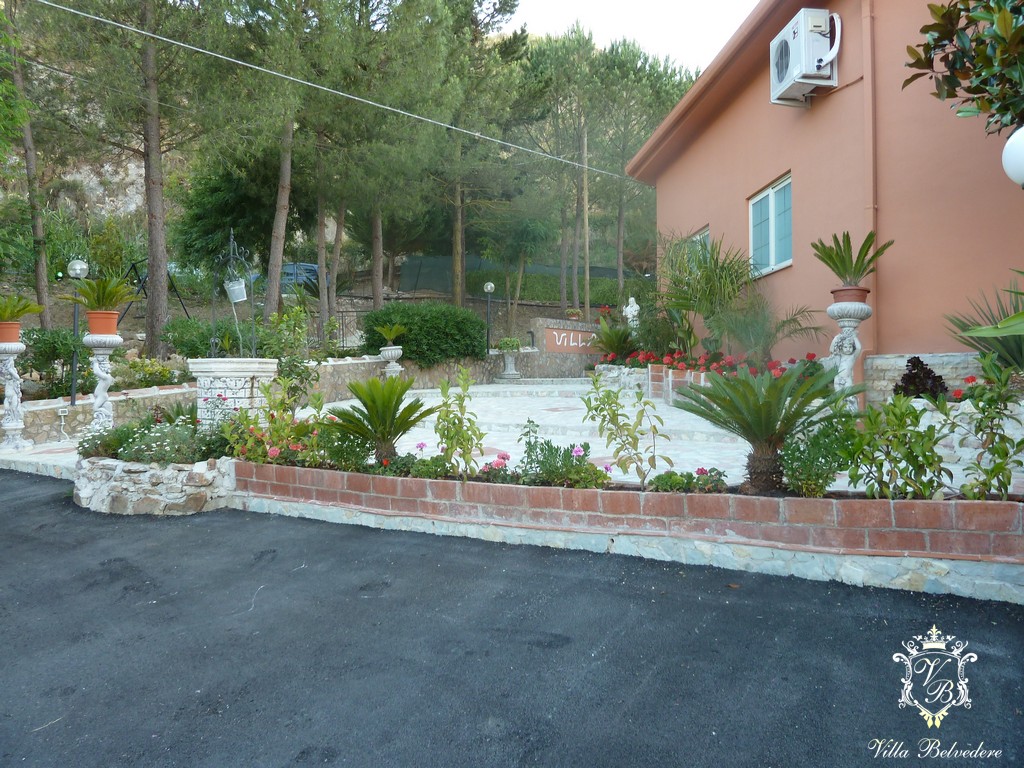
383	418
765	409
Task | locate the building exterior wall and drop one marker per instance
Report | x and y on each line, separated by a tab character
866	155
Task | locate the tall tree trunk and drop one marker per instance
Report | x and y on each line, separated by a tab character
586	223
377	256
458	244
277	238
563	252
35	201
458	249
519	290
321	245
156	282
620	242
339	236
576	248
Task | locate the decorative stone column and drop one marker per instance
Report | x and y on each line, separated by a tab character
846	349
390	355
13	421
102	345
226	383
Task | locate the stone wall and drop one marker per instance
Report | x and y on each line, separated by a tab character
883	372
43	422
963	547
128	488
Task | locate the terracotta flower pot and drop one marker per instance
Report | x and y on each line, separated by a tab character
10	332
102	323
850	293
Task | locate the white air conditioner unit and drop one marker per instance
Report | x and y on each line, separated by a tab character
803	57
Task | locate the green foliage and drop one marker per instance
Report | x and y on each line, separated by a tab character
383	418
433	468
49	352
920	380
839	257
1006	343
702	481
703	280
177	443
811	460
509	344
545	288
751	326
545	463
614	338
190	337
101	293
456	428
765	410
896	456
984	420
974	52
635	438
286	337
14	307
145	372
437	332
107	443
391	332
273	435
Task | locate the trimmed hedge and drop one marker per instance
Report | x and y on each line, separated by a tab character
437	332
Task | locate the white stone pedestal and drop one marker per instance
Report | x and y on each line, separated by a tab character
102	345
510	373
224	384
391	355
13	421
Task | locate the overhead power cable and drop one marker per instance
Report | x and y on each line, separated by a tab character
326	89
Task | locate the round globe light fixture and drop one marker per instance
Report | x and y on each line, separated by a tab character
1013	157
78	269
488	287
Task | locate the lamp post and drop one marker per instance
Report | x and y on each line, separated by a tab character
78	270
1013	157
488	289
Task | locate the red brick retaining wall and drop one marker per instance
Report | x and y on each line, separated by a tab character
971	530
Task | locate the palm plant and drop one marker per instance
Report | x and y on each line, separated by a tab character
103	294
766	409
383	418
614	339
840	259
703	280
997	329
752	324
14	307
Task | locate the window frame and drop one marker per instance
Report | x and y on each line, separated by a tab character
771	193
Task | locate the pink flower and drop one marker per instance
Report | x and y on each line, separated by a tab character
504	456
273	452
667	360
777	373
295	446
729	360
701	471
608	468
577	451
498	464
420	446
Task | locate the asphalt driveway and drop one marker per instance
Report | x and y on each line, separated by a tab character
237	639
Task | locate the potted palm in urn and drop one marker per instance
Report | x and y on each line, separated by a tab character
850	268
509	346
391	352
100	297
12	309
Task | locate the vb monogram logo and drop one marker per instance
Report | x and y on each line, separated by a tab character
934	680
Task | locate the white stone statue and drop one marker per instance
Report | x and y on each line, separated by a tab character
631	313
843	354
12	390
103	411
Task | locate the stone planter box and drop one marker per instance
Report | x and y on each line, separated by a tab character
128	488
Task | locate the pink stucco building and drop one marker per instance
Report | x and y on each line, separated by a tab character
864	155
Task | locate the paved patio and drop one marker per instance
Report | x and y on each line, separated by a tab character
237	639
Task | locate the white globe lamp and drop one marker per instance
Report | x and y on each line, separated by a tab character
1013	157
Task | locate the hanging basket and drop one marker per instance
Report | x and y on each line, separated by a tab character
235	290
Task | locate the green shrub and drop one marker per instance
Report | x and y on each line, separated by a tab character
811	461
190	336
434	468
545	463
49	352
702	481
107	443
437	332
145	372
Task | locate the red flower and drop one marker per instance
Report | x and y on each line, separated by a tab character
811	356
777	372
753	371
680	366
792	361
970	379
611	356
701	471
729	360
773	364
384	462
958	394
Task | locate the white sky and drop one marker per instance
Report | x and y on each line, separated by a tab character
690	32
